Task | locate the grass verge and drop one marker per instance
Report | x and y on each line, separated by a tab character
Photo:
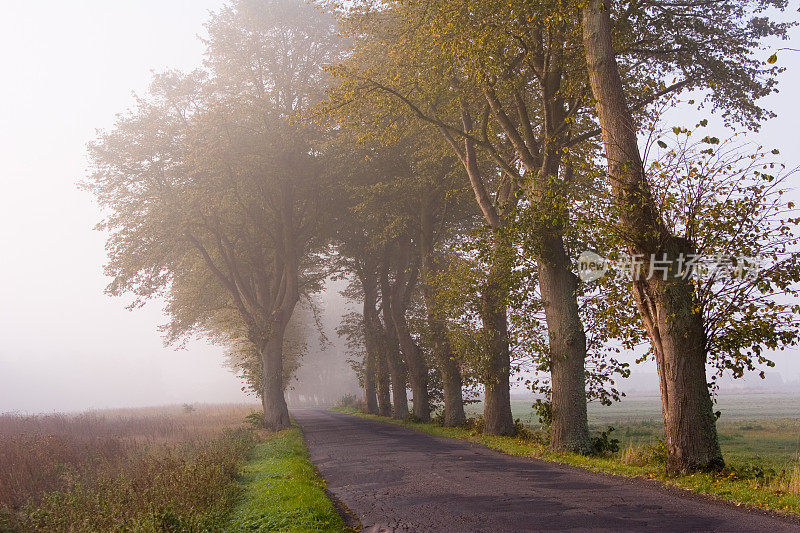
281	490
740	484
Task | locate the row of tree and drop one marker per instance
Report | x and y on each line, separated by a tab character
452	160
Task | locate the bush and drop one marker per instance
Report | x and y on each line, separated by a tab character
350	401
255	420
751	471
603	444
476	424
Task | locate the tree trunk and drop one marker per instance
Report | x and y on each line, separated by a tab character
276	413
370	390
399	295
570	429
397	368
442	349
417	370
383	384
678	337
496	379
372	341
668	307
567	337
454	415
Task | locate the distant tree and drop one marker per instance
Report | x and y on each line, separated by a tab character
213	178
384	50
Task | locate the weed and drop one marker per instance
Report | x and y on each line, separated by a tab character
603	444
654	453
350	401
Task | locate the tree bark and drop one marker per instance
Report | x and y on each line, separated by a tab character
276	413
567	337
442	349
668	306
454	415
397	368
383	383
569	429
496	379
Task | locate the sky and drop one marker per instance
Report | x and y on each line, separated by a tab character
68	68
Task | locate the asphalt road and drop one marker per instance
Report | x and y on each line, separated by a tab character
396	479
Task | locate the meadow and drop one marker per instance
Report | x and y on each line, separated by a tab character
753	427
170	469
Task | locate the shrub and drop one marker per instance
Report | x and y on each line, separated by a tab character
476	424
350	401
540	436
603	444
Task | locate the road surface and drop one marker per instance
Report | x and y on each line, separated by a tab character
396	479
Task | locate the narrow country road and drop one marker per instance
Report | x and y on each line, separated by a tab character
396	479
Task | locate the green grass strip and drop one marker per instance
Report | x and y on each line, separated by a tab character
281	490
724	486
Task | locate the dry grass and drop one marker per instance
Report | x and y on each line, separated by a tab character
793	487
653	453
146	470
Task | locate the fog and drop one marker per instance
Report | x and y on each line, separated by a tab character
64	345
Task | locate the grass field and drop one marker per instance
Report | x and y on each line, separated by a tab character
754	427
155	470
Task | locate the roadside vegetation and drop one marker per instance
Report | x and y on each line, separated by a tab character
281	490
758	472
172	469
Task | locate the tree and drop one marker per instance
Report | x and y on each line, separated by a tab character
727	198
712	46
371	30
215	171
361	228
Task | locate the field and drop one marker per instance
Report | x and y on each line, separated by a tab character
170	469
144	470
764	428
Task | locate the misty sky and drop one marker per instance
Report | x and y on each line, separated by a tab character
67	68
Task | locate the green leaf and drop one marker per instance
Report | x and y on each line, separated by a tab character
662	144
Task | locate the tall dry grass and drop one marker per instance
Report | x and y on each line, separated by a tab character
147	470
